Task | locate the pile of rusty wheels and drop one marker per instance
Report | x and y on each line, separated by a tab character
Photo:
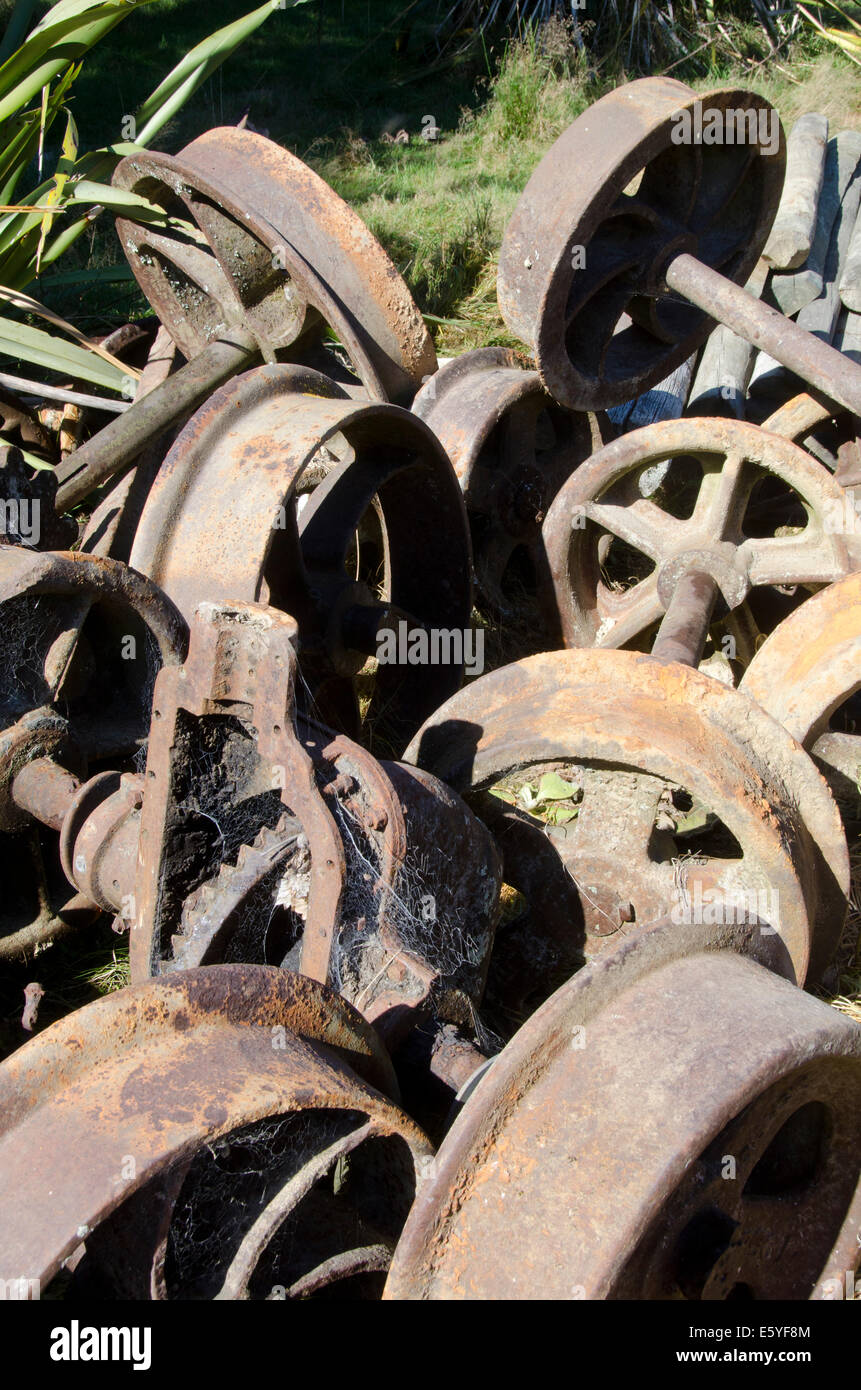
401	967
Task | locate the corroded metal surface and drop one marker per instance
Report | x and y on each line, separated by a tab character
97	821
111	526
646	865
798	416
122	440
684	626
170	1074
512	449
807	671
633	734
21	427
280	253
581	271
229	708
759	515
91	579
226	520
804	353
262	844
273	258
592	1112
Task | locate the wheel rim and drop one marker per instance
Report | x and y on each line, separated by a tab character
715	201
217	484
629	725
252	200
590	1110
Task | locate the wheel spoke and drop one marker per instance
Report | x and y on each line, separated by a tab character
728	172
517	436
807	558
590	334
198	265
641	524
671	182
62	651
722	499
616	816
276	1211
841	752
491	562
623	617
365	1259
615	251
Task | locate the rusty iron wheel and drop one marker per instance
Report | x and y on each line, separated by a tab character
46	599
345	514
806	673
832	435
512	448
225	1132
689	800
274	250
582	261
749	508
83	640
674	1123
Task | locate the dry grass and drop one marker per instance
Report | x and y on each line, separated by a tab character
826	83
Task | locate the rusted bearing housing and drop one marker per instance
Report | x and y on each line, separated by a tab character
223	522
715	201
282	255
99	838
149	1091
263	844
674	1123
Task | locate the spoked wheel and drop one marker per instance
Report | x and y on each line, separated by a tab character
512	449
807	675
84	639
696	1121
581	271
273	249
347	516
227	1135
750	509
685	800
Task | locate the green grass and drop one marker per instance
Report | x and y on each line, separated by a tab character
440	209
